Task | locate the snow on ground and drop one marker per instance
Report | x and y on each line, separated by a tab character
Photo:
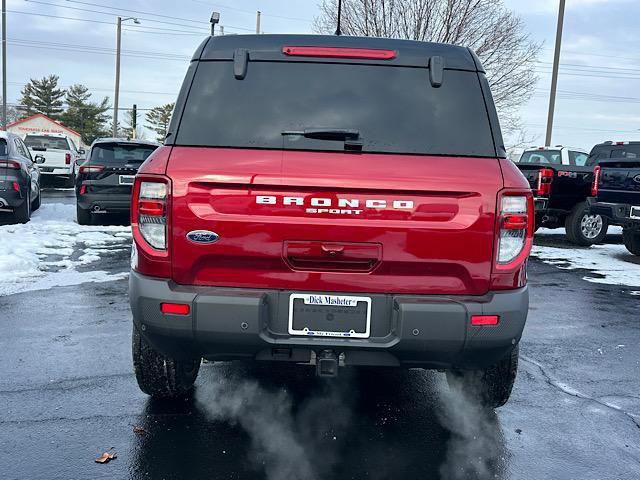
609	263
53	250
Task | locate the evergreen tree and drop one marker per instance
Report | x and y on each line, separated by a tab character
84	116
42	96
158	119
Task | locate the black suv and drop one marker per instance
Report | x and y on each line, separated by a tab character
105	178
19	178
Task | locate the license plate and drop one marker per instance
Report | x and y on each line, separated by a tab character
127	179
635	213
46	169
329	316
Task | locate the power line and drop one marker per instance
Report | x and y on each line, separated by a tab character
99	89
192	27
249	12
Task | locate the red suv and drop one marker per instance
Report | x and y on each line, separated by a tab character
331	201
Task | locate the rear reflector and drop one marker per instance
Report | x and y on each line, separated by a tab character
175	308
16	187
83	189
338	52
480	320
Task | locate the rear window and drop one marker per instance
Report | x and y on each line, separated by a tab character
394	109
4	151
542	157
53	143
120	153
600	152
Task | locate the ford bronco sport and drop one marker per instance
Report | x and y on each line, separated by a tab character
331	201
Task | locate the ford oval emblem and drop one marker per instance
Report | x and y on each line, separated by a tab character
636	178
202	236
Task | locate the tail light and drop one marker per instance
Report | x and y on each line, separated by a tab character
545	177
10	164
67	158
514	232
151	211
596	180
91	168
83	189
515	220
16	187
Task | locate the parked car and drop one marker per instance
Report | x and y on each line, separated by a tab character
288	221
19	178
59	154
105	178
561	178
616	189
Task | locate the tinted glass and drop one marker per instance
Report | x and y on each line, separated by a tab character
578	158
121	153
54	143
4	151
542	157
395	109
600	152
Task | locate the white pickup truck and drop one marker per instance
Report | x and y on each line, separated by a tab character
59	153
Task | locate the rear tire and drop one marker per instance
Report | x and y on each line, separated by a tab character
161	376
631	239
583	228
22	214
491	386
35	205
83	216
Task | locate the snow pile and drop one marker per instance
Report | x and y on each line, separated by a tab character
48	251
610	264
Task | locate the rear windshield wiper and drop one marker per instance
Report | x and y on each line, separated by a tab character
326	133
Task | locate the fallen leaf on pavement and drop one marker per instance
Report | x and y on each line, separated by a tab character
106	457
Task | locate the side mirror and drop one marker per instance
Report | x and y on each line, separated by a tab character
39	159
81	151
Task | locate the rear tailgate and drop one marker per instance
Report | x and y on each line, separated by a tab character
620	182
530	172
334	221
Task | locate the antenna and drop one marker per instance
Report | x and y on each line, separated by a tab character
338	30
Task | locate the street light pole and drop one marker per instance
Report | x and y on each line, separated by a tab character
554	74
116	95
4	64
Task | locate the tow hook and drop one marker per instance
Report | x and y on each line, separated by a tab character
327	364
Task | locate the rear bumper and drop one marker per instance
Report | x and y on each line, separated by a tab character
10	199
66	171
616	213
105	202
409	330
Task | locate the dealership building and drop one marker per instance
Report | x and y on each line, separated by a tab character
40	123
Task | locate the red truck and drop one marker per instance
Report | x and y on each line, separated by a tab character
331	201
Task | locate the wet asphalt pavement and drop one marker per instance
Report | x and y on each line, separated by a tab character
67	394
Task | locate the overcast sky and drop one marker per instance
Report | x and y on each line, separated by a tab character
599	94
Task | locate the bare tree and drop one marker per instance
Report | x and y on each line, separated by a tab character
495	33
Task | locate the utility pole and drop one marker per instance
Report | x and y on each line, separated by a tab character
258	22
221	29
116	95
134	121
554	74
4	64
338	27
